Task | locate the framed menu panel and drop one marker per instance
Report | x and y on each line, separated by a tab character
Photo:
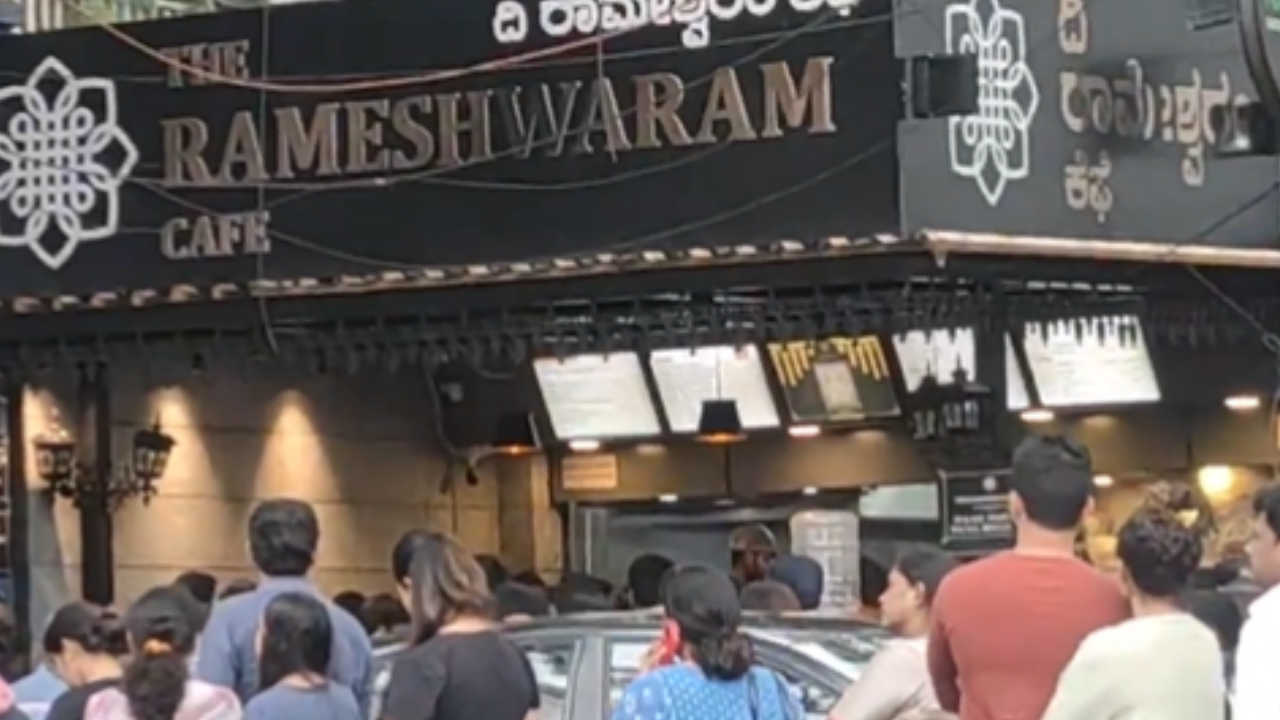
839	378
1091	362
975	511
687	376
939	353
597	397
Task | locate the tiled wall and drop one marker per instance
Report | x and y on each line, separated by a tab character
361	449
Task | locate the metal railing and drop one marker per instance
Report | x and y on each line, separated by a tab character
46	15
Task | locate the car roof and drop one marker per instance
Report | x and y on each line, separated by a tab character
652	619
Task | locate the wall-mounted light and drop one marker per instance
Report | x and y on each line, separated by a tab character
59	468
804	431
1215	480
516	434
810	491
1036	416
720	423
1103	481
584	446
667	498
1242	403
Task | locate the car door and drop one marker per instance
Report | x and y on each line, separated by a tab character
555	658
816	688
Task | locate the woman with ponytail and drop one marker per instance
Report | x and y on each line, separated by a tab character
703	667
83	645
1163	663
161	628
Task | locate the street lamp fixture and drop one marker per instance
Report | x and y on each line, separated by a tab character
58	466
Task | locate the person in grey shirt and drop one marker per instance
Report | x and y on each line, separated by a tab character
283	536
296	642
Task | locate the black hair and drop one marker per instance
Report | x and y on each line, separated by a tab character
402	553
1053	477
703	603
97	630
769	596
644	579
353	602
512	598
1266	505
239	586
495	573
1158	548
202	586
283	536
447	583
297	637
530	578
873	581
384	612
926	567
162	636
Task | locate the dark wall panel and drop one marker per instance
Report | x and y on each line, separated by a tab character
686	470
867	457
1223	437
1154	438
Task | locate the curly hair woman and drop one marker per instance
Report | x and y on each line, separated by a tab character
1163	663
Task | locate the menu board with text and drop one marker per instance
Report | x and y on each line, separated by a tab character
688	376
597	397
939	353
975	511
839	378
1092	362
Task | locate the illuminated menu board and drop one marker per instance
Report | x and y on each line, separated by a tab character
1093	362
597	397
686	377
939	353
838	378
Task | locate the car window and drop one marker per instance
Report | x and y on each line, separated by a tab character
553	664
625	658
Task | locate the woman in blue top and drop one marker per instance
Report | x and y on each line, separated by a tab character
295	642
709	673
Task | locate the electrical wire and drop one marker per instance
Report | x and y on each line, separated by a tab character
343	87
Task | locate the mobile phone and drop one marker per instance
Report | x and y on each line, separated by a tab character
669	643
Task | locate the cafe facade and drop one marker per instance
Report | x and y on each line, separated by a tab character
353	252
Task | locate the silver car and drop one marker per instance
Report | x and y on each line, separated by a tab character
583	662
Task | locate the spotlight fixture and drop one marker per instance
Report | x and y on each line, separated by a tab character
1242	403
810	491
584	446
668	498
516	434
1103	481
1036	416
804	431
720	423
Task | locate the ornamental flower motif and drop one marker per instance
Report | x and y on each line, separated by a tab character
63	158
993	146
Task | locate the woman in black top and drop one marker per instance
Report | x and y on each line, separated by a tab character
461	666
84	644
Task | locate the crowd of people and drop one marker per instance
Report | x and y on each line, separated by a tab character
1032	633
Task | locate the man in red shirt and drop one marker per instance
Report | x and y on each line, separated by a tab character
1004	627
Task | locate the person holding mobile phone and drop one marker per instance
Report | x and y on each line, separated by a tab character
703	667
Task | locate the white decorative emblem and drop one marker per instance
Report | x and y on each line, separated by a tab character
990	484
993	147
63	158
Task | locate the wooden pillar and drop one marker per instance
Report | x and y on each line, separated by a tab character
18	486
97	550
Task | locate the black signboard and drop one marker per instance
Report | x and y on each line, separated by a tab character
1097	122
341	139
975	511
835	379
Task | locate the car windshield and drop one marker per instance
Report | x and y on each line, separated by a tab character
849	652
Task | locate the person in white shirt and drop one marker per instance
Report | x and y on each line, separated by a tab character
1257	694
1163	664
